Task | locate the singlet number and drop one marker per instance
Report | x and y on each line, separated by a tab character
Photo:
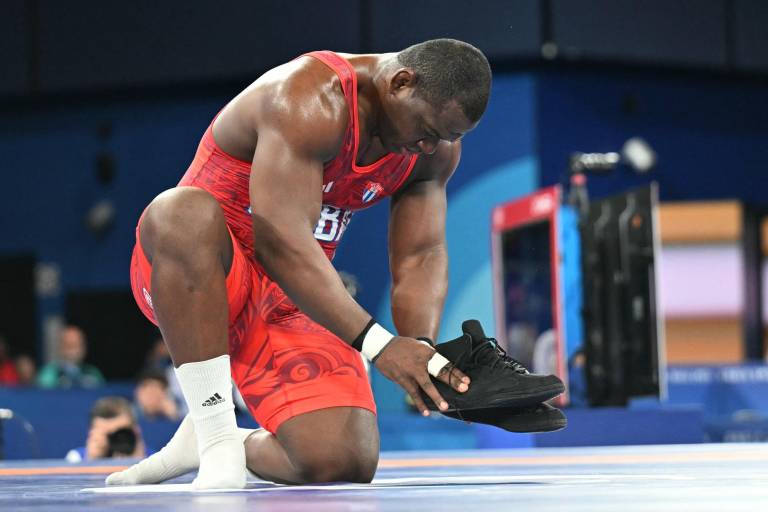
332	223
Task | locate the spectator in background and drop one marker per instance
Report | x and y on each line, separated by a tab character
351	283
152	396
113	432
577	379
70	371
159	358
8	375
26	369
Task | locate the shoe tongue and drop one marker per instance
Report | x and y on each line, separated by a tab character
453	349
473	329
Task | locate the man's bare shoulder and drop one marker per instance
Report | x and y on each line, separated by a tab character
303	100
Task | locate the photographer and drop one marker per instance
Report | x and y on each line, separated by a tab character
113	433
153	399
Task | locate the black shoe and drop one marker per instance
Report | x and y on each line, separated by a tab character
540	418
497	379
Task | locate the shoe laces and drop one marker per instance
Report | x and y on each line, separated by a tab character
511	362
489	353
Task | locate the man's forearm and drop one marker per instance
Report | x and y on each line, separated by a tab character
420	285
303	271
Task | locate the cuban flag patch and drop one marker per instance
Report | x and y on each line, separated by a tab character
371	190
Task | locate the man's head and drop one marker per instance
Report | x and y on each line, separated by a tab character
436	90
26	370
151	392
72	346
114	430
114	408
158	355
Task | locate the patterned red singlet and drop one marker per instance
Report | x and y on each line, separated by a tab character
283	363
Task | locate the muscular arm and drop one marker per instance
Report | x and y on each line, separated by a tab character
418	256
298	131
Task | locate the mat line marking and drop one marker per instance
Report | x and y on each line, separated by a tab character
543	460
384	484
61	470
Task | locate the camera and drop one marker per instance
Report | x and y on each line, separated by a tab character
121	442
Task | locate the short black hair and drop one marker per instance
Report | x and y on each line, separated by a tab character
448	69
111	407
153	374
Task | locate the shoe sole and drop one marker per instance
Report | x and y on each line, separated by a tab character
510	400
528	400
513	400
514	420
534	422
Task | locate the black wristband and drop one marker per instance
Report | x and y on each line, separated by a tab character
428	340
358	343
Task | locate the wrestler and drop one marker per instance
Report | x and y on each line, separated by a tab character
234	264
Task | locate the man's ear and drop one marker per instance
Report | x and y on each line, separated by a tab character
403	78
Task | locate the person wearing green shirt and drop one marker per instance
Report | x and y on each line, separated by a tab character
70	370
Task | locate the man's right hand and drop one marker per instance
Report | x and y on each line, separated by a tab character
96	446
404	361
97	443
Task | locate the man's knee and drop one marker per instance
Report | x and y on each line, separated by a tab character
336	462
336	444
180	219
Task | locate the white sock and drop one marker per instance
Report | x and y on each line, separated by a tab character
207	388
178	457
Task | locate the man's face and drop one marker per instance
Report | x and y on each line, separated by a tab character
97	444
150	395
412	125
109	425
72	347
25	368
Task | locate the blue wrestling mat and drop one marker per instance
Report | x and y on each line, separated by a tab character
680	478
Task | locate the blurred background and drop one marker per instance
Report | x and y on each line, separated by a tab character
102	105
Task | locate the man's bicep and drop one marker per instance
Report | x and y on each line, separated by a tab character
285	180
296	134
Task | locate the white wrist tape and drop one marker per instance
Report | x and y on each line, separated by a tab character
375	340
436	363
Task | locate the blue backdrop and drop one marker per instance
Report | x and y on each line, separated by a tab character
711	136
